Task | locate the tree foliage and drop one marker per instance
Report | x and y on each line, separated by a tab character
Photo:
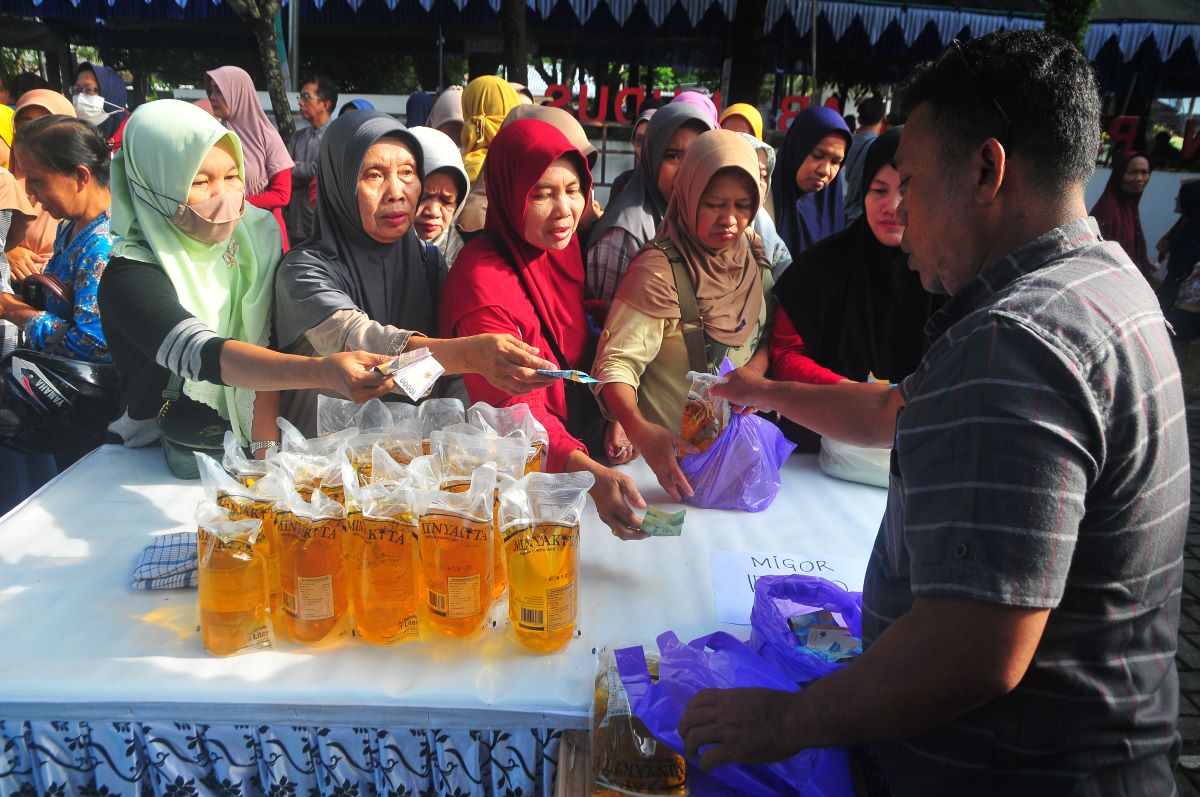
260	16
1070	18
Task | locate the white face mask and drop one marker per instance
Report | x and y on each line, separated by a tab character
90	108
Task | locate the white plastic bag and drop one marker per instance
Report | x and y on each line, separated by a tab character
855	463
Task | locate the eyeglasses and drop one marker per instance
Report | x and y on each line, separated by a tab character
955	50
91	91
306	97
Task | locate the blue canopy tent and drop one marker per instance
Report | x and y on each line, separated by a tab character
858	41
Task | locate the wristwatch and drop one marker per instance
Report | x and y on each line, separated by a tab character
261	445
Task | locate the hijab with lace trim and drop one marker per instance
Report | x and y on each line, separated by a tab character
229	286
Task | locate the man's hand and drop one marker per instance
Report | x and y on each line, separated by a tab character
508	363
352	374
737	726
746	387
24	262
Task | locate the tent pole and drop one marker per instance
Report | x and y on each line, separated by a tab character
813	34
294	44
441	43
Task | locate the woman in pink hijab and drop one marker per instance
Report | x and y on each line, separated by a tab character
701	101
268	177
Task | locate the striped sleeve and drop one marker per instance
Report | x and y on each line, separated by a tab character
139	304
188	350
1000	448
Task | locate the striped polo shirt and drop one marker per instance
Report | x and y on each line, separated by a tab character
1041	461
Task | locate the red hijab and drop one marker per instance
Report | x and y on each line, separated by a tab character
552	281
1117	213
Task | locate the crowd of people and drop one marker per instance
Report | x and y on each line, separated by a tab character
945	256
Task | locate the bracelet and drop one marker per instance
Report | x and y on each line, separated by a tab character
260	445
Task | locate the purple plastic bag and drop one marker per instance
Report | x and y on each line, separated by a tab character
740	470
720	661
776	598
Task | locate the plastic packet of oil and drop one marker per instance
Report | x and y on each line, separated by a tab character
241	467
335	414
425	473
308	472
510	421
312	571
385	469
233	583
437	414
705	416
241	502
626	759
382	560
459	451
291	441
462	448
457	554
539	519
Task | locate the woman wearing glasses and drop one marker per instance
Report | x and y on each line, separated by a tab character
99	99
268	164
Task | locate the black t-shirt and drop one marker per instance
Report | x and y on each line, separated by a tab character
151	335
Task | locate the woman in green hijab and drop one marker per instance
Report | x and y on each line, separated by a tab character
190	282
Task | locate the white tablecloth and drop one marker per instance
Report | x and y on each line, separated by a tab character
81	645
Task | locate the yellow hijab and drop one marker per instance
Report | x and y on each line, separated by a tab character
747	112
485	103
6	132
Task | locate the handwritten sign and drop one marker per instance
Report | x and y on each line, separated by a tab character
735	573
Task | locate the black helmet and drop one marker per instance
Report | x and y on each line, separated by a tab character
55	405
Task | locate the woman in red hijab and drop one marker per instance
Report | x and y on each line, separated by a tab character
1117	210
525	278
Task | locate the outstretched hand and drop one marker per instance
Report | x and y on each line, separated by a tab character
352	374
509	364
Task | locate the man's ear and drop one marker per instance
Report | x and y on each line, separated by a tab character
991	167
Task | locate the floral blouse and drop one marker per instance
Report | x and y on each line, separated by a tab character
78	262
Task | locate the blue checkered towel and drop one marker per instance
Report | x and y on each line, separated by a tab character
168	563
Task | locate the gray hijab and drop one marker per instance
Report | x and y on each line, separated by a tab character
340	267
442	154
774	247
640	207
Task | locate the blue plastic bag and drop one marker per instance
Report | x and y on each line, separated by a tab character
776	598
740	470
720	661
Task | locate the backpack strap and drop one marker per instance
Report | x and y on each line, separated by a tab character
699	345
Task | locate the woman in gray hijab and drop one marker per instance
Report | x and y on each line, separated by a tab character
444	189
633	218
774	247
364	280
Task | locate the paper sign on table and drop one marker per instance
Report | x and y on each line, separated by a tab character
734	574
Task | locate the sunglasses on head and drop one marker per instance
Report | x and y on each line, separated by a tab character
955	53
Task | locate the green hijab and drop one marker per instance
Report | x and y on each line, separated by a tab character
164	144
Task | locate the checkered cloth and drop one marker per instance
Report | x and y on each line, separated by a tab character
169	562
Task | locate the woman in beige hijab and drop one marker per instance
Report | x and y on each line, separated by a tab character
704	274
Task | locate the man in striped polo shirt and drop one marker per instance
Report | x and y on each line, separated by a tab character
1021	604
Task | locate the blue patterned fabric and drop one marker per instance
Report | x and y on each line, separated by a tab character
169	562
180	759
79	263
